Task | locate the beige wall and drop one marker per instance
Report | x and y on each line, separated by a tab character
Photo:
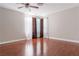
64	24
11	25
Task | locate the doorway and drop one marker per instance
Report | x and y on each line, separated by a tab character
37	35
37	27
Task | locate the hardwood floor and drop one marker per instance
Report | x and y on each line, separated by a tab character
40	47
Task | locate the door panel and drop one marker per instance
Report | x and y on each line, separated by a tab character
34	28
41	28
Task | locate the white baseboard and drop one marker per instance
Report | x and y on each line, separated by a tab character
12	41
68	40
47	37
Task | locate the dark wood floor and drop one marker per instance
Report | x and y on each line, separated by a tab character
40	47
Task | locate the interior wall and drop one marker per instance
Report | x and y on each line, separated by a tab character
64	24
45	25
28	26
11	25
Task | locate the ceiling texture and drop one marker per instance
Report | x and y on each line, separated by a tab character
45	9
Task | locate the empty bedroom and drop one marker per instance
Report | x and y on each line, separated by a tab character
39	29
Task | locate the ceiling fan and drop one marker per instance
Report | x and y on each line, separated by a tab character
27	5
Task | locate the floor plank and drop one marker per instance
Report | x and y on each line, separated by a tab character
40	47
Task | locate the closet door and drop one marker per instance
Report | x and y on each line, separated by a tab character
41	28
34	28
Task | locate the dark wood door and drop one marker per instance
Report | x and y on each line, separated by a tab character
34	28
41	28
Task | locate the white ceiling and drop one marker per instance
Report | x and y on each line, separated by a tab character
44	10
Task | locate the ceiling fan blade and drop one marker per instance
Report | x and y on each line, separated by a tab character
22	3
40	4
34	7
20	7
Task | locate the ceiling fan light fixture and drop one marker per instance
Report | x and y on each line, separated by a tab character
29	10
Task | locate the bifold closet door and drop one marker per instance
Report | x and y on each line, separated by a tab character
34	28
